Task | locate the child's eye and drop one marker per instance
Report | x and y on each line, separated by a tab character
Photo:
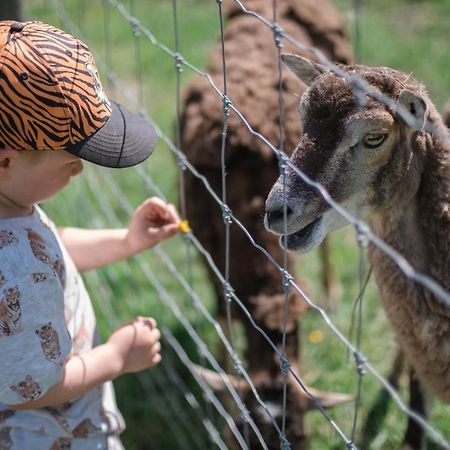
373	140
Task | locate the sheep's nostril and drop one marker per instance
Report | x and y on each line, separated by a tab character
277	215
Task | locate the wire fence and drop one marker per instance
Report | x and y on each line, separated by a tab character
100	181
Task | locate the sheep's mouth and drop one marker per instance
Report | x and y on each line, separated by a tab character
304	239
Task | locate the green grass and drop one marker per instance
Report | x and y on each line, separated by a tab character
407	35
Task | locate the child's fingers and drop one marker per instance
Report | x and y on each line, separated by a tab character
153	208
164	210
156	359
150	321
156	336
165	231
173	212
156	348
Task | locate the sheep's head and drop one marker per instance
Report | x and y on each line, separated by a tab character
359	149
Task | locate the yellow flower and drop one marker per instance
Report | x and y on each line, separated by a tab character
183	226
315	336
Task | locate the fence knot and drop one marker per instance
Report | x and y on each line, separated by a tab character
284	366
179	62
226	105
182	162
350	445
282	163
277	33
285	445
135	26
361	235
244	413
360	96
360	362
226	213
237	364
228	291
287	280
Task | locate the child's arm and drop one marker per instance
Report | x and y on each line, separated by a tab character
134	346
153	221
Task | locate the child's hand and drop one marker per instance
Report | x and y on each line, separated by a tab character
153	221
136	344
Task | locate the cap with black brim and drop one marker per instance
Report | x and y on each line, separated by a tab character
125	140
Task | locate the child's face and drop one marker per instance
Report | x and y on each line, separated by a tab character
35	176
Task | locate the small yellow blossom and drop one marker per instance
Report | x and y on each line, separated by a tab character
315	336
184	227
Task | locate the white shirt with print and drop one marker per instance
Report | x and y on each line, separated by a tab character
46	316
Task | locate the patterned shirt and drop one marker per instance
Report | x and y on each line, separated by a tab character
46	316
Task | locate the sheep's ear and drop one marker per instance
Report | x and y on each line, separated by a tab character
303	68
416	105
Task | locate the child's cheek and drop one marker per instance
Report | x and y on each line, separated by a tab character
77	168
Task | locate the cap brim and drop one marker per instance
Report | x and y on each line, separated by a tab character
125	140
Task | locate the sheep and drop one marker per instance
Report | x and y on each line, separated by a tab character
252	82
397	178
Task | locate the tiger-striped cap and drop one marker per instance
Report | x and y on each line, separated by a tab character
51	97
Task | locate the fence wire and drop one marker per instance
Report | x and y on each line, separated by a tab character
363	231
99	184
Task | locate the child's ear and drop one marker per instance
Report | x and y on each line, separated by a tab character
6	156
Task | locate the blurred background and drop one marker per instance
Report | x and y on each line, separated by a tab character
409	35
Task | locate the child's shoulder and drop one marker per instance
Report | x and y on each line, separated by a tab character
27	244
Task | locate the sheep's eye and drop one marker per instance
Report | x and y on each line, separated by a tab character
373	140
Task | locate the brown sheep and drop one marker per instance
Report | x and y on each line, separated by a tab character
252	81
397	178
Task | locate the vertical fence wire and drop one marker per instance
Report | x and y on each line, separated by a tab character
284	363
357	11
227	289
225	210
362	248
359	359
137	56
107	40
182	184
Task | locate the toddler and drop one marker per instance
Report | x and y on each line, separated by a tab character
55	383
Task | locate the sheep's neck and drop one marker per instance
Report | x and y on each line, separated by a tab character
420	231
419	228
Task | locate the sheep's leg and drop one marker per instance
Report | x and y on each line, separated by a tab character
330	286
419	401
379	409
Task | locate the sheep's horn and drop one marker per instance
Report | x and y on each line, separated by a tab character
324	399
217	381
316	398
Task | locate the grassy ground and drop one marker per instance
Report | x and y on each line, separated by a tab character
408	35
